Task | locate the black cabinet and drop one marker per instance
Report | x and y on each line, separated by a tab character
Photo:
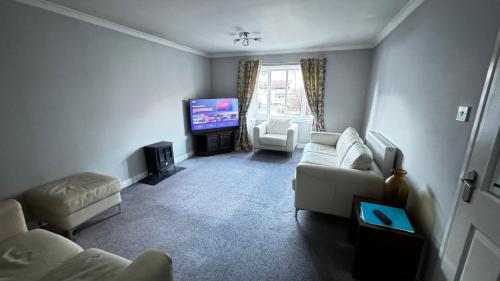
213	143
159	157
383	253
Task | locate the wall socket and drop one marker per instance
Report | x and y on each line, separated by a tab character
463	113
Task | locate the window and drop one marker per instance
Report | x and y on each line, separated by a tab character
280	92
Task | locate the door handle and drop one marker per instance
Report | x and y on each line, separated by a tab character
469	185
496	184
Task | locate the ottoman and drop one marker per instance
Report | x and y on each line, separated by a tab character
73	200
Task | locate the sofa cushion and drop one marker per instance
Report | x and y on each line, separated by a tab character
320	148
273	140
358	157
30	255
89	265
278	126
319	159
68	195
346	140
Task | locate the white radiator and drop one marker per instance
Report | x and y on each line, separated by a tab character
384	152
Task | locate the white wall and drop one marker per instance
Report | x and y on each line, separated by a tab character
77	97
347	80
433	62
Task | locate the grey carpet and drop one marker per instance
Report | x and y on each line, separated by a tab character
228	217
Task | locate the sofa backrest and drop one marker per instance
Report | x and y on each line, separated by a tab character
384	152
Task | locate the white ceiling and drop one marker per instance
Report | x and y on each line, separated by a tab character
211	25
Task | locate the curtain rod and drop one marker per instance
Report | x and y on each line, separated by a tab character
280	63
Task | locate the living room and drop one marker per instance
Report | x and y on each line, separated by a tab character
89	88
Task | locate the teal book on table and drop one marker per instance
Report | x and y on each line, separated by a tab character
398	216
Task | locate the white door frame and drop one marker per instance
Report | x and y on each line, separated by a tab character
472	139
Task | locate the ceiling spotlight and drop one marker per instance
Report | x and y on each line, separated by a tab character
245	39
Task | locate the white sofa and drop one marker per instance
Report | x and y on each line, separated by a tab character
335	167
276	134
42	255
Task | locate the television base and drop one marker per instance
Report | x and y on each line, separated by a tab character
213	143
154	179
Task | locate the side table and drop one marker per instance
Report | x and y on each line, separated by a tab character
383	253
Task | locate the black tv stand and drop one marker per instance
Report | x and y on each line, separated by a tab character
213	143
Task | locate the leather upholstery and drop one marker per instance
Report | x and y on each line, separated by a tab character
42	255
11	218
32	254
321	185
273	140
70	194
89	265
287	141
69	202
358	157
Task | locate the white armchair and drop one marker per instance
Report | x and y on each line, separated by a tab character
276	134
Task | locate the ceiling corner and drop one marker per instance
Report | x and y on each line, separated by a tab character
399	18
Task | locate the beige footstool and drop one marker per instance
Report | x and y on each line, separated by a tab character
71	201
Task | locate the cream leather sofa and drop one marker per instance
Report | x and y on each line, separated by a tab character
276	134
42	255
335	167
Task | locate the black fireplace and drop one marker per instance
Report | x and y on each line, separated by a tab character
159	157
159	162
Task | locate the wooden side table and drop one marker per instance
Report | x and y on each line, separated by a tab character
383	253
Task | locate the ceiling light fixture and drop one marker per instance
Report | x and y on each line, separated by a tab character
245	39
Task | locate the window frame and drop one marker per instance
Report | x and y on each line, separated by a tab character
269	68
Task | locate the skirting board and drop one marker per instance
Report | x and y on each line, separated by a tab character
130	181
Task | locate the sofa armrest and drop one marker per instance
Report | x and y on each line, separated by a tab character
324	138
261	129
153	265
292	136
11	219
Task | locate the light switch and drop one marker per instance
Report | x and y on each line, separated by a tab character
463	113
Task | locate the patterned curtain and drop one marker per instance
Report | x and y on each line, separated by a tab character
247	79
313	72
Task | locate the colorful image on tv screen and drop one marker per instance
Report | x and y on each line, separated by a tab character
210	114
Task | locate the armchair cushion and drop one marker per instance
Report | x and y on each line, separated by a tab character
278	126
273	140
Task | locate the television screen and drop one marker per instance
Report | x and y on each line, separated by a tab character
213	114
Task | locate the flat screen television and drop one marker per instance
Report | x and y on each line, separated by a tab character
213	114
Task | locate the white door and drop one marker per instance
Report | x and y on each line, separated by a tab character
472	249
